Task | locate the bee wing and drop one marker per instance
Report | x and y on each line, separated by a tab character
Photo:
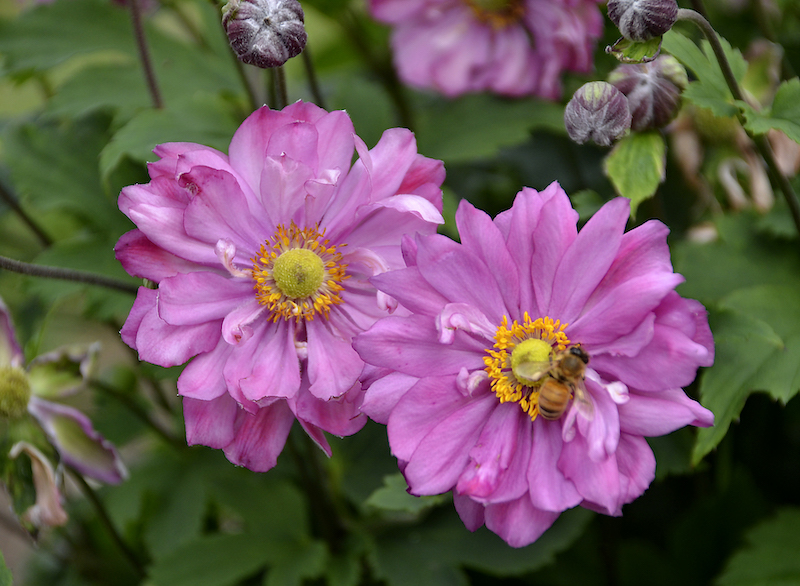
531	372
583	401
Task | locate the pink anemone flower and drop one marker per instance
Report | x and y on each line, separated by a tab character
510	47
262	259
535	361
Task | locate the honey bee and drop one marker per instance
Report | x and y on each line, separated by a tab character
563	377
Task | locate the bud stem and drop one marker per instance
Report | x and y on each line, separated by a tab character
25	268
13	203
281	97
312	78
777	178
144	54
105	519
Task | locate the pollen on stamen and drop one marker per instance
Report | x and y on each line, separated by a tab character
497	13
298	274
504	383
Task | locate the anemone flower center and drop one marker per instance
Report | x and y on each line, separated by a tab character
15	392
298	274
520	362
497	13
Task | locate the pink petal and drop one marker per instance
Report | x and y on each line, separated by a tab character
440	457
658	413
637	467
518	522
483	238
339	416
260	437
198	297
202	378
498	461
471	512
383	395
141	258
410	290
210	423
10	350
549	489
597	482
409	345
587	260
333	365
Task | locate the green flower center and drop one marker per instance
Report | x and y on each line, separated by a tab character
520	359
15	392
298	273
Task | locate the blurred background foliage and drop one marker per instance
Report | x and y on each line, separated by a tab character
76	125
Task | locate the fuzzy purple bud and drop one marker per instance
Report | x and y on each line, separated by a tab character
653	90
265	33
641	20
599	112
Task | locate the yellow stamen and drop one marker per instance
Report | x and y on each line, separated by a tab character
531	341
497	13
298	274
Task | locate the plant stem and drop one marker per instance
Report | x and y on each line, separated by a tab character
312	79
778	179
13	203
382	68
282	98
144	54
66	274
138	411
324	512
107	523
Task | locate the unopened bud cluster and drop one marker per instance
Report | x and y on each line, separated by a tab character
265	33
639	97
599	112
653	90
642	20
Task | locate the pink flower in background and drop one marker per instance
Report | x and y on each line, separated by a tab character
510	47
467	382
262	259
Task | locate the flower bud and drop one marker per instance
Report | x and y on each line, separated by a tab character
653	90
597	111
15	392
264	33
641	20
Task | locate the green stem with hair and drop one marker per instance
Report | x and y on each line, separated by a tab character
33	270
777	178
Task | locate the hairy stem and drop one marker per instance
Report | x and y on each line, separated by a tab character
13	203
107	523
138	411
777	178
312	79
282	97
33	270
144	54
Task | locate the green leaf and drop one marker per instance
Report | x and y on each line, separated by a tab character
710	90
291	562
743	345
628	51
204	119
770	556
218	560
783	115
636	166
68	152
393	496
476	126
434	552
6	579
757	349
49	34
179	519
